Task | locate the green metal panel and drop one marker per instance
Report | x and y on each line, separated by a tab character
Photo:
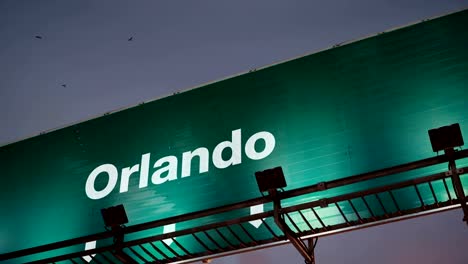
343	111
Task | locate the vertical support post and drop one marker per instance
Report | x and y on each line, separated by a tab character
457	185
311	244
307	251
118	240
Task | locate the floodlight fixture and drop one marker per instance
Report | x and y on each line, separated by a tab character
271	179
114	216
446	137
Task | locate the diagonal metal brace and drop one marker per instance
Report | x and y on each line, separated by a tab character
307	251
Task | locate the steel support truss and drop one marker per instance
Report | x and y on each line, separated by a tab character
306	250
282	224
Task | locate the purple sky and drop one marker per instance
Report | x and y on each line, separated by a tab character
180	44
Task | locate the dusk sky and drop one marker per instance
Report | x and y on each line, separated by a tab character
83	66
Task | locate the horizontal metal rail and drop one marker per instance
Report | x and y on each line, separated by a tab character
105	254
374	174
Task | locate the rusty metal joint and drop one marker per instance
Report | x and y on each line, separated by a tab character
324	203
322	186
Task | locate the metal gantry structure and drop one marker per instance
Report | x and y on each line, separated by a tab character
300	224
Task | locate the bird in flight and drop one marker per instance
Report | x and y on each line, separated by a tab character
38	37
64	85
130	39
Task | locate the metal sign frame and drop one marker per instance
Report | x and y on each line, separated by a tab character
140	250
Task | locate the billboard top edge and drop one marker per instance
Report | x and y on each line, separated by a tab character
338	45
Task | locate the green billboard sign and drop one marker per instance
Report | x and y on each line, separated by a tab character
343	111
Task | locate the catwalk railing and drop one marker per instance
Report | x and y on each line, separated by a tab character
309	218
